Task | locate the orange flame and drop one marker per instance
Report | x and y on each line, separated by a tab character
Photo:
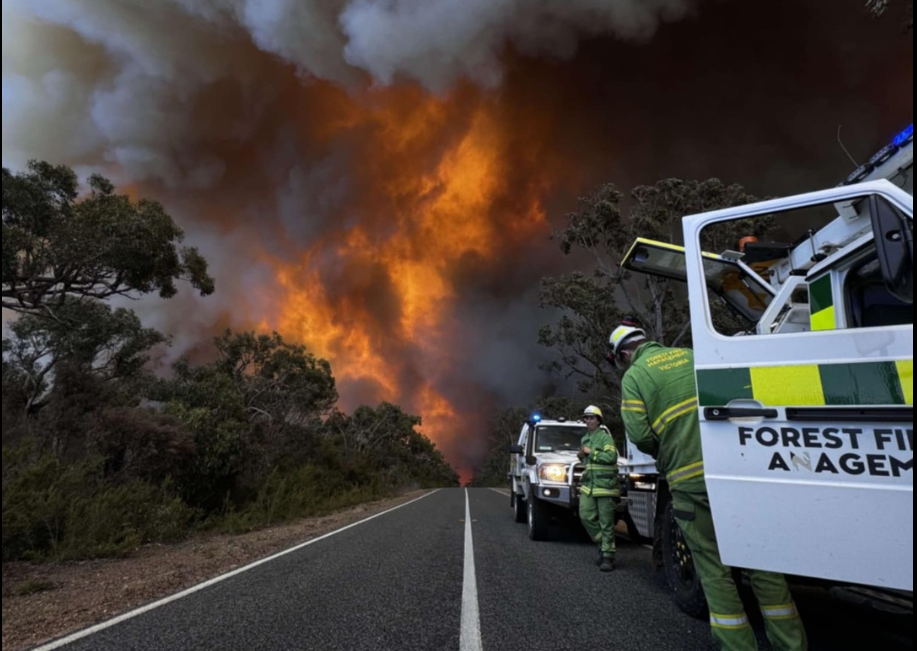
436	169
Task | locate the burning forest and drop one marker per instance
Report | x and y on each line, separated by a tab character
378	180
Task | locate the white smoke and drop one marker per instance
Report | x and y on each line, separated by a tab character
112	84
439	42
205	104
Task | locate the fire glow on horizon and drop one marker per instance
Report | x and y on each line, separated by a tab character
438	174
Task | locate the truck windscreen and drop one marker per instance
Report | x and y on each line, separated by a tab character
557	438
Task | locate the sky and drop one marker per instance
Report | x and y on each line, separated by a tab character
378	179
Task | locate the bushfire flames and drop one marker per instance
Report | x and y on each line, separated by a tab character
381	286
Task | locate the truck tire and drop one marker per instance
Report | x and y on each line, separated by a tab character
537	515
678	565
519	510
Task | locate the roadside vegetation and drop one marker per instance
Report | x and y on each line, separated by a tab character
101	455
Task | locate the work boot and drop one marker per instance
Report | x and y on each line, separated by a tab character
608	564
601	557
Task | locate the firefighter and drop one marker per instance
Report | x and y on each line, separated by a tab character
600	491
660	412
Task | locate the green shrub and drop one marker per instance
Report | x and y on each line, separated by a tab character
307	491
53	511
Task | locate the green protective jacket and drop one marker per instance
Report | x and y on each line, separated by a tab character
660	413
601	476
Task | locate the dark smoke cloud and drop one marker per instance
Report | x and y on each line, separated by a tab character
230	112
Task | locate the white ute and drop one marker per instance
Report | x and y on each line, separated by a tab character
546	472
807	409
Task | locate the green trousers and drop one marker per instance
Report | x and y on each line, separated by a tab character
598	517
731	628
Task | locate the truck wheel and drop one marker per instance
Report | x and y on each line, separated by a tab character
680	572
537	518
519	510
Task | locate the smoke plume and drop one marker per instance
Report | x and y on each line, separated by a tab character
377	178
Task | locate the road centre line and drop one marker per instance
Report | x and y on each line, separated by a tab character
141	611
471	614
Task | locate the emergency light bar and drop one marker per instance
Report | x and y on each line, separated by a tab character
903	139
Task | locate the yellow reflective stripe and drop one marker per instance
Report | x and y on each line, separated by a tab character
788	385
686	472
825	320
906	375
729	621
665	415
686	407
785	611
662	245
637	406
618	336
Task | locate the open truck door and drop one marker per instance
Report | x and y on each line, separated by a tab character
737	285
807	424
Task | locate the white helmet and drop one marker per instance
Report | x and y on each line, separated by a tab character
592	410
624	335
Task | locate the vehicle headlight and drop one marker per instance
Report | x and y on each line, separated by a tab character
554	472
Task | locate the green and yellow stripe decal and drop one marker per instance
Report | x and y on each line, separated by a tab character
821	301
815	385
906	374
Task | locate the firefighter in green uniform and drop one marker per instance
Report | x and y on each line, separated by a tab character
600	490
660	412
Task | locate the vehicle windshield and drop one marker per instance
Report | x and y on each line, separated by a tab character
557	438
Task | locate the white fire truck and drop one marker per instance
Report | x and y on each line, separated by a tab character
807	408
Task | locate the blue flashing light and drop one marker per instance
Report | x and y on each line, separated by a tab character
536	418
905	136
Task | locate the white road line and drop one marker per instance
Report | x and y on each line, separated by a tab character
501	491
471	615
181	595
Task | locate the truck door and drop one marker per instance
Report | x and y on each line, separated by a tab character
808	432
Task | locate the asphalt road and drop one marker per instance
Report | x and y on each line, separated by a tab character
403	582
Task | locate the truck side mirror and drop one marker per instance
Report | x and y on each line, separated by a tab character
516	449
894	238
